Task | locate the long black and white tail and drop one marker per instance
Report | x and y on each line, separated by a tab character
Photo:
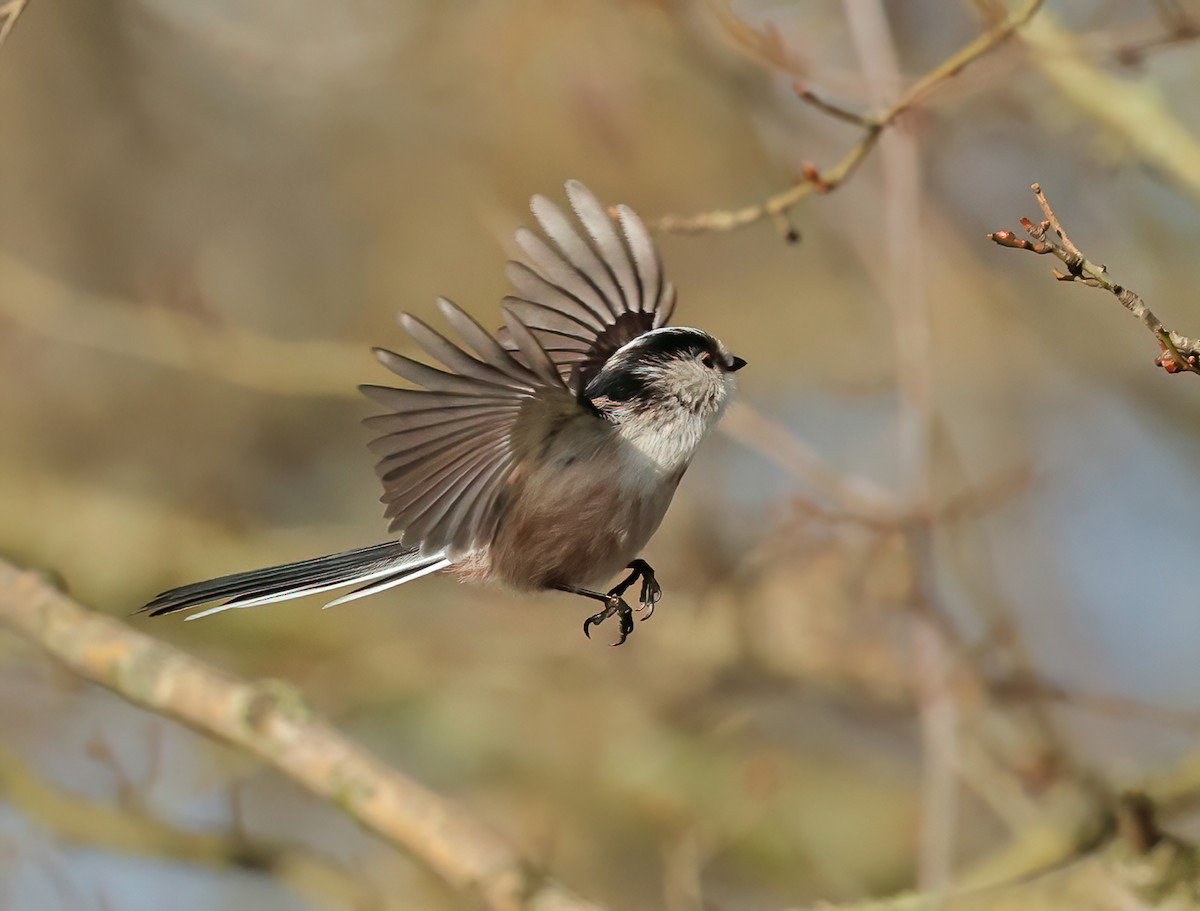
380	566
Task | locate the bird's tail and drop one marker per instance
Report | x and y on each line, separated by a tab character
380	566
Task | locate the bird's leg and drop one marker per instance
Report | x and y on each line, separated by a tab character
651	590
613	604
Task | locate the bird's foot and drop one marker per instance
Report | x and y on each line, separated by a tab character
651	591
614	605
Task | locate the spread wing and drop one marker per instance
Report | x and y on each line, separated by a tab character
586	294
447	451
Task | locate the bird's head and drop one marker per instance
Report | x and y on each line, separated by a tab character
668	372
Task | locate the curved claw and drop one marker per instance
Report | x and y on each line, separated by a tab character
614	605
651	594
626	617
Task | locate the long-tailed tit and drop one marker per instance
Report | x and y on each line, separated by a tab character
543	457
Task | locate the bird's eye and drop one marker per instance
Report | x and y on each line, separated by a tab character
707	360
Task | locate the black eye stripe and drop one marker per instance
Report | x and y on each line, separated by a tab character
619	386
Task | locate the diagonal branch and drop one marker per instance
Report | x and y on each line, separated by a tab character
1180	353
816	181
267	720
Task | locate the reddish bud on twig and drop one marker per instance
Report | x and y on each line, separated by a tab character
813	176
1008	239
1167	361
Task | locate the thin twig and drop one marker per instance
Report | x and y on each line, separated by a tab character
831	178
833	110
765	45
1176	26
1180	353
1024	689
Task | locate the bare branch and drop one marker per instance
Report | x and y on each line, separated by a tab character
833	110
268	720
1180	353
824	181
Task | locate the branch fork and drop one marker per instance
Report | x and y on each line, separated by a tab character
1179	354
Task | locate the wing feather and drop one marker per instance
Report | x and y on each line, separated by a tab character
482	342
394	423
437	380
419	464
577	251
561	275
645	257
421	506
403	400
474	495
433	506
448	448
586	293
612	249
454	358
532	286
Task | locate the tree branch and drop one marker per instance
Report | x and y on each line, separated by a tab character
816	181
267	719
1180	353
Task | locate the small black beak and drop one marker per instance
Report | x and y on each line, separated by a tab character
735	364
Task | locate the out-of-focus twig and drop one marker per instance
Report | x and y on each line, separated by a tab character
765	45
857	496
175	340
1129	873
80	820
1176	26
1133	110
933	640
1180	353
1025	690
823	181
10	11
269	721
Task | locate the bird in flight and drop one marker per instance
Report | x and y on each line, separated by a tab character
542	457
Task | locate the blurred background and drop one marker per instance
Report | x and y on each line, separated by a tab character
932	576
